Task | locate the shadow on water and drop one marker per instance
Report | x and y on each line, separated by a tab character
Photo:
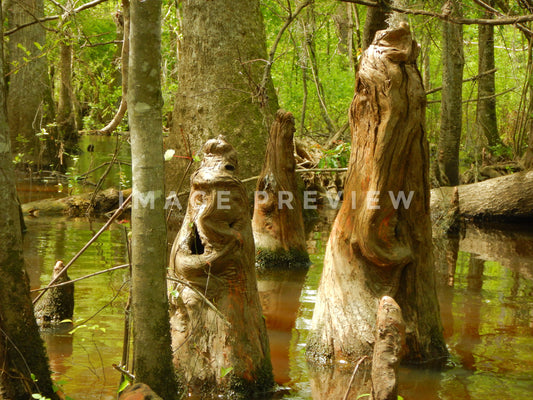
485	288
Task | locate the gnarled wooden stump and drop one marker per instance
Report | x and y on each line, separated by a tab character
57	304
380	243
277	223
218	333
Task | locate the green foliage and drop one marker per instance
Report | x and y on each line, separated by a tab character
337	157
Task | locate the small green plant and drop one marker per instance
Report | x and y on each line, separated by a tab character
337	157
225	371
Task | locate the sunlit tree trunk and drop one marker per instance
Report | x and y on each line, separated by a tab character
151	328
29	103
486	106
220	71
22	351
375	20
377	246
66	117
451	104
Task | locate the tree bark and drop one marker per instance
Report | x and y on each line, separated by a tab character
377	246
218	331
66	116
22	351
220	71
390	338
375	21
277	223
29	104
451	104
486	121
507	198
152	355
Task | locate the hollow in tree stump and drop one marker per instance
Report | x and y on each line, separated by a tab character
277	223
380	243
219	338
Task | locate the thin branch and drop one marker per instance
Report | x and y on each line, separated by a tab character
437	89
481	98
353	376
449	18
486	6
115	215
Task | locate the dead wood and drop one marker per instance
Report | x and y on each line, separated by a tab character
225	351
277	223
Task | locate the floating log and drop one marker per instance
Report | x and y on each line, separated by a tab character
380	243
56	307
390	338
78	205
507	198
278	223
219	338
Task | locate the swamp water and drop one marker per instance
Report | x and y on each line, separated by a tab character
485	287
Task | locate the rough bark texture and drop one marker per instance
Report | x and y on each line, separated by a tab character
377	247
57	304
66	117
486	105
218	331
29	105
220	70
375	20
151	329
390	337
508	198
528	156
277	223
451	103
21	348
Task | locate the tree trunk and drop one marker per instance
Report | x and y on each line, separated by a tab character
218	331
66	116
220	70
151	329
277	223
375	21
486	105
22	352
29	104
451	103
379	247
507	198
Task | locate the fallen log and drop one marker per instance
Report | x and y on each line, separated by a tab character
78	205
219	338
507	198
278	224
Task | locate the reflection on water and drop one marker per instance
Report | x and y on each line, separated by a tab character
485	288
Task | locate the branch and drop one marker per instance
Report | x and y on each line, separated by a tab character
487	7
448	18
481	98
53	17
465	80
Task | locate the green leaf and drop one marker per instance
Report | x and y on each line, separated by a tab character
123	385
362	395
33	377
225	371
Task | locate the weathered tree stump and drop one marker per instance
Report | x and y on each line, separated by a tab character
219	336
278	223
390	337
380	243
57	304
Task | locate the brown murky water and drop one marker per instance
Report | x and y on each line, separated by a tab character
485	286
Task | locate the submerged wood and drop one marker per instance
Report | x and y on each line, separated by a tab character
507	198
223	351
74	206
56	307
390	337
278	223
378	247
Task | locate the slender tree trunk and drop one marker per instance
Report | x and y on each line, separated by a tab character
66	115
151	329
375	21
220	71
29	104
486	105
451	104
22	350
378	246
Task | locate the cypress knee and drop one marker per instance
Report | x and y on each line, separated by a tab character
219	338
380	243
277	223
